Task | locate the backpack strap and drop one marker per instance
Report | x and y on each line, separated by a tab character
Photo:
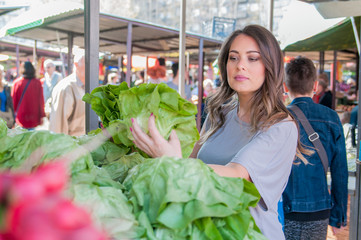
312	135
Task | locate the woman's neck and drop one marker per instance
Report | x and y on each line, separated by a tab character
244	108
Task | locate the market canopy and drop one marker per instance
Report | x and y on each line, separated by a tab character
339	37
54	24
7	9
25	51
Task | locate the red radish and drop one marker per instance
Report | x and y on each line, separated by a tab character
53	175
26	188
34	208
67	216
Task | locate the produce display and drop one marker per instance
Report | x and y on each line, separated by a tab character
33	207
116	191
118	104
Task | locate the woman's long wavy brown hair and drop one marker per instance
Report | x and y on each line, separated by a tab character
267	102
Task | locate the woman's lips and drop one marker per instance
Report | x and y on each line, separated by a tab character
240	78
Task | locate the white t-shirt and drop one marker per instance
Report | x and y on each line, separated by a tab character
267	155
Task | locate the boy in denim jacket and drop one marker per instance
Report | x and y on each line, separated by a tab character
308	205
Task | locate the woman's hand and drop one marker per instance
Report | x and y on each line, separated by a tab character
154	144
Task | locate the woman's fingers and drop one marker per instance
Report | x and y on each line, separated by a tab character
175	143
153	131
141	140
154	144
173	138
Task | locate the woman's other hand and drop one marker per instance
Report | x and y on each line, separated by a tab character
154	144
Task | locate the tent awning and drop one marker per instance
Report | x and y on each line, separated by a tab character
7	9
55	26
338	37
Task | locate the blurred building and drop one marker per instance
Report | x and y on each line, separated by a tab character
207	18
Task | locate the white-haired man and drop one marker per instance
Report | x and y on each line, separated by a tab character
67	108
51	78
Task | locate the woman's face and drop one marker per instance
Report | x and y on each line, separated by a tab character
245	68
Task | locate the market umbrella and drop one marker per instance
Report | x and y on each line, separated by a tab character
339	37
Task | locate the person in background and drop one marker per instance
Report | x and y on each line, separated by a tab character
28	99
323	96
6	102
173	83
67	113
207	88
113	78
354	116
157	73
354	123
309	207
140	76
249	132
51	78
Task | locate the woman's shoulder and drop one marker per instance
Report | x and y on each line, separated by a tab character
285	127
18	80
37	80
288	122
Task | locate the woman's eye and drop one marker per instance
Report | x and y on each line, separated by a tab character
253	59
232	58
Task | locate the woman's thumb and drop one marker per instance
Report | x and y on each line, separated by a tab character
173	138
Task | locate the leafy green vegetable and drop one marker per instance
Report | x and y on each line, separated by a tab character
109	209
118	104
108	152
3	128
118	169
136	198
90	186
37	147
185	199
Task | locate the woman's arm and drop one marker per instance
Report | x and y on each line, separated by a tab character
195	151
231	170
198	144
156	146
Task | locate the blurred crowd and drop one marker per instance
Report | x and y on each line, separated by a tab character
54	102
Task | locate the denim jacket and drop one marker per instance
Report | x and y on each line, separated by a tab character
307	189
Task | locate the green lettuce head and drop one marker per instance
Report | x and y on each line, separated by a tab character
117	105
3	128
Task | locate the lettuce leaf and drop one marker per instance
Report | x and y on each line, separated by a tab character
118	104
3	128
90	187
185	199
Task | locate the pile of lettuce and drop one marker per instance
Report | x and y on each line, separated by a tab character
117	104
130	195
184	199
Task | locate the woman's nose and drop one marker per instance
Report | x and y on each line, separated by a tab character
241	65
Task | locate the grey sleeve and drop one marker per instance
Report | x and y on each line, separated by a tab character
268	158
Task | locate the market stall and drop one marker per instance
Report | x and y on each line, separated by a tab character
64	24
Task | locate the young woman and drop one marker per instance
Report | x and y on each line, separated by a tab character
27	94
248	132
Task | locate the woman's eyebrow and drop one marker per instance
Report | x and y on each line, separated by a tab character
250	51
